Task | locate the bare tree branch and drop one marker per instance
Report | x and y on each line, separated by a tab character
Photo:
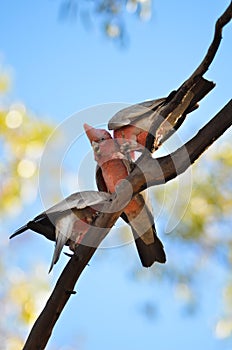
204	65
188	85
223	20
147	172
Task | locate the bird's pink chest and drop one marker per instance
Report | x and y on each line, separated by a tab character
113	172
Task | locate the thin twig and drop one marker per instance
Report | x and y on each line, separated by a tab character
204	65
194	78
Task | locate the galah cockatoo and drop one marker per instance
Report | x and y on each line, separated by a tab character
132	124
67	222
114	168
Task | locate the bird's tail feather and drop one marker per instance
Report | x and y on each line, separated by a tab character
60	242
149	253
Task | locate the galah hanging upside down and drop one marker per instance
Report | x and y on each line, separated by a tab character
114	168
132	124
67	222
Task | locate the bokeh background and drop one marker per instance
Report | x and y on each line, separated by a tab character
58	59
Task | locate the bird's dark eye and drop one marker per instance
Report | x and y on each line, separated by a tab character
102	139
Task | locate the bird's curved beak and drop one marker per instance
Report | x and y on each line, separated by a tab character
91	132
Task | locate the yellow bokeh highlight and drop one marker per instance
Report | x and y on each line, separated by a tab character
22	294
34	149
14	119
223	328
26	168
199	206
14	343
12	204
4	82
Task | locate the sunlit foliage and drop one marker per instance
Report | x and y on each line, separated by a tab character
22	137
22	296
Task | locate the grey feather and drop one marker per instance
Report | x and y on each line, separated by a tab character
64	228
78	200
131	114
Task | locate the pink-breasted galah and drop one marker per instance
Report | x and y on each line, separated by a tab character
68	221
114	167
132	124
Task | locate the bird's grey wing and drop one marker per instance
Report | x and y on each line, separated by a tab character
130	114
44	223
78	200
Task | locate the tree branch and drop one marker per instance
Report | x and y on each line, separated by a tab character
208	59
204	65
188	85
42	328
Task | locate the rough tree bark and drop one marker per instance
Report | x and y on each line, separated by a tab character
147	172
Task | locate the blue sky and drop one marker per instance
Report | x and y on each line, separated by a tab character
60	68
